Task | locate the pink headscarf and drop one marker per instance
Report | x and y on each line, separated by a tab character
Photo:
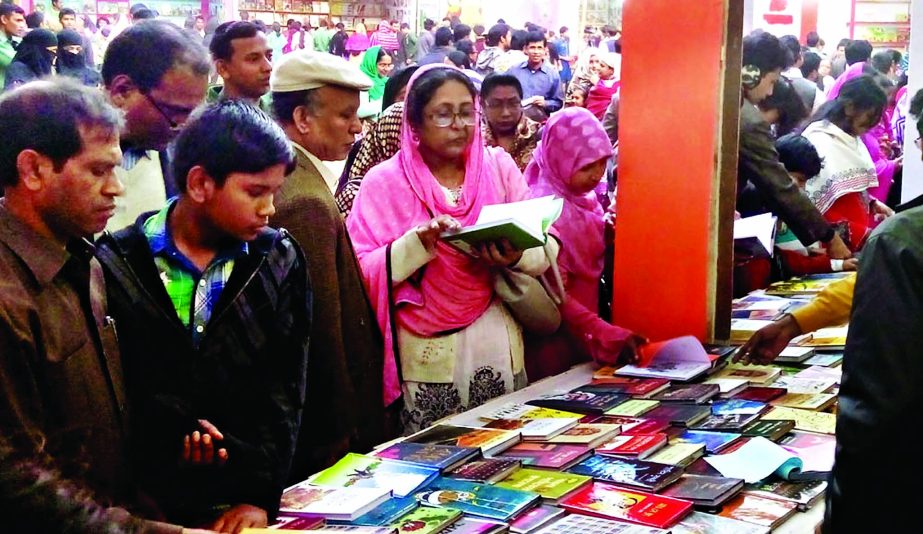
573	138
400	194
853	72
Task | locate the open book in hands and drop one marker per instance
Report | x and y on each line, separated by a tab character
525	224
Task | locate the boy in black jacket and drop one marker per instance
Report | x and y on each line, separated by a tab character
213	310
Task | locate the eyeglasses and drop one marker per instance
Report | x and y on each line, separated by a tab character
173	124
444	119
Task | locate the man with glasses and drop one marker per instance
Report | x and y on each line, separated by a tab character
505	124
156	74
315	97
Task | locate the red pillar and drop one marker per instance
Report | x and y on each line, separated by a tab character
677	167
808	17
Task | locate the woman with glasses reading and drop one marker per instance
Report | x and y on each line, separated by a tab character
450	342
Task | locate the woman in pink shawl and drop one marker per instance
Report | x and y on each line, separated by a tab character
456	344
358	42
885	168
571	170
600	95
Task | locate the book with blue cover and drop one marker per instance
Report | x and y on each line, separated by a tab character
629	472
358	471
738	407
715	442
443	457
383	515
482	500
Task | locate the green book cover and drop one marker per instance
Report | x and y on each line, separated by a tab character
523	223
550	485
427	520
356	470
634	407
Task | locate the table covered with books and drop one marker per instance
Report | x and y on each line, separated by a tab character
691	442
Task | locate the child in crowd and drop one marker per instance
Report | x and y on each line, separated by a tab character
802	162
576	98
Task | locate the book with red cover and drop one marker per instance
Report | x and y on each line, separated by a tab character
708	492
634	445
697	393
679	413
628	472
761	393
611	502
636	387
630	425
548	455
759	510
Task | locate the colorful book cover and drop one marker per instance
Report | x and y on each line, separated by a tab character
482	500
761	393
804	494
737	406
358	471
438	456
489	440
702	523
634	407
635	445
636	387
628	472
760	375
816	451
821	422
698	393
725	423
548	455
771	429
714	442
680	414
583	524
759	510
679	454
524	411
580	401
551	485
606	500
297	523
805	385
427	520
535	429
630	425
344	504
535	519
705	491
586	434
486	470
475	525
385	514
806	401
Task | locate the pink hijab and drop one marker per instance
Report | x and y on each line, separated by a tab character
853	72
453	289
554	163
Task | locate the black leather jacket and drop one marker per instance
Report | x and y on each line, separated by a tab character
247	375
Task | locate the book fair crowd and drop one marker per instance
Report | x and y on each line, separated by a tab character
202	304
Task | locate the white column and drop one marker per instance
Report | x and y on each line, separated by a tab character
913	166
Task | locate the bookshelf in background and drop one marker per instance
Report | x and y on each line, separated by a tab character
884	23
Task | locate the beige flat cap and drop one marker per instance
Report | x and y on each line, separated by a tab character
306	69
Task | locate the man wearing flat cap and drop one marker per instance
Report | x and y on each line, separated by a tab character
315	98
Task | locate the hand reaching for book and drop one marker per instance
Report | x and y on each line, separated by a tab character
768	342
429	232
199	447
613	345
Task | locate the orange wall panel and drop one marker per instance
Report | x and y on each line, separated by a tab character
669	130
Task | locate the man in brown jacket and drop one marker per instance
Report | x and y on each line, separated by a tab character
62	401
316	98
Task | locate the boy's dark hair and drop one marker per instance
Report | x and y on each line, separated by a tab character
812	39
144	14
428	24
792	48
518	39
535	37
882	61
478	29
460	59
465	46
863	93
8	9
65	12
496	32
462	31
222	46
844	43
34	20
228	137
405	26
811	63
162	45
135	8
858	51
762	50
443	37
562	30
426	86
786	102
47	117
496	79
797	154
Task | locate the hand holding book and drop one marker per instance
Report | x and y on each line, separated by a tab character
429	233
498	253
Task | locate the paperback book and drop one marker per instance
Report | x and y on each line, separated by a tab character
487	470
608	501
427	520
681	359
804	494
638	446
771	429
490	440
386	514
482	500
634	407
726	423
524	224
441	457
715	442
759	375
806	401
525	411
358	471
535	429
702	523
345	504
535	519
761	393
706	492
548	455
678	454
759	510
636	387
475	525
581	401
738	407
695	393
581	524
589	435
551	485
629	425
679	414
820	422
637	474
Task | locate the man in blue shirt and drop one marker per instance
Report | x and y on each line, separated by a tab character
541	83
